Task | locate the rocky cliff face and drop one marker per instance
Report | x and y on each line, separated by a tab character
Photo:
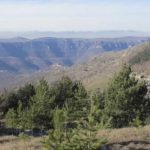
23	55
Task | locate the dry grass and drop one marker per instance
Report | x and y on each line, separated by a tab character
127	138
118	139
14	143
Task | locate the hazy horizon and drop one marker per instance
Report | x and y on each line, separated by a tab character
73	34
70	15
74	31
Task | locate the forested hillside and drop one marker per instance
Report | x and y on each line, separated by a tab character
72	115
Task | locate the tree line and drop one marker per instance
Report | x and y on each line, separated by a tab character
72	114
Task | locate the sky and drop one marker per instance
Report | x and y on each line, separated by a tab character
74	15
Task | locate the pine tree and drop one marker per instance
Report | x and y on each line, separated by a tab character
20	115
57	136
61	91
41	105
125	98
81	138
11	119
84	136
79	104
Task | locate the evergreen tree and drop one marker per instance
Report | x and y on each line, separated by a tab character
10	99
61	91
19	115
73	93
79	104
125	98
81	138
57	136
11	119
24	93
41	105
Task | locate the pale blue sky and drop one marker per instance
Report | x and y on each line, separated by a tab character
74	15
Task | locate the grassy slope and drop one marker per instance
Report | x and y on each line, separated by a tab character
118	139
139	51
104	66
14	143
97	72
127	138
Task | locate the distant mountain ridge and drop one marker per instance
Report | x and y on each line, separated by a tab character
21	55
75	34
95	72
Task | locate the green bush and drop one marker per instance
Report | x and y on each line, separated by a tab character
147	121
136	122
